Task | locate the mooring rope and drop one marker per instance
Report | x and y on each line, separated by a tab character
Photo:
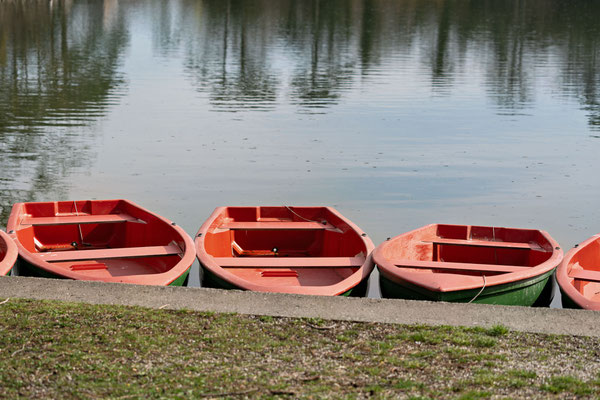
298	215
477	295
78	225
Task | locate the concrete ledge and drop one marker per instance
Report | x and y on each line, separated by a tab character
539	320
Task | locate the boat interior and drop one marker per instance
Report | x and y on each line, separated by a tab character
584	270
469	250
98	238
308	246
5	264
3	250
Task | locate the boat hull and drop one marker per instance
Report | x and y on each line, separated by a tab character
463	263
578	276
568	302
100	240
536	291
304	250
210	280
23	268
8	253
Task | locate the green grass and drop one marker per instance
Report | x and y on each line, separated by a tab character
72	351
497	330
570	384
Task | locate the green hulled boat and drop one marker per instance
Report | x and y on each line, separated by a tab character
461	263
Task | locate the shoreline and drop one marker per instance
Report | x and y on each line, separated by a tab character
394	311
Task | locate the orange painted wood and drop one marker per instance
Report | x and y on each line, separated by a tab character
8	253
577	285
330	258
458	266
87	267
290	262
279	274
585	275
262	253
78	219
286	225
509	255
258	253
125	252
487	243
104	232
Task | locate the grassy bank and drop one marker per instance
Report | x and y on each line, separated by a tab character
66	350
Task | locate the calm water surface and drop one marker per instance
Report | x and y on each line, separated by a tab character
398	113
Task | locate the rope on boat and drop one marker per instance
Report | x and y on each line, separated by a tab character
477	295
79	226
299	216
483	276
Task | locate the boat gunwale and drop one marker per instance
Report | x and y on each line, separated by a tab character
11	255
565	282
398	275
160	279
363	272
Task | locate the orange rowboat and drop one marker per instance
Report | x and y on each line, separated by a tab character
461	263
579	276
303	250
8	253
100	240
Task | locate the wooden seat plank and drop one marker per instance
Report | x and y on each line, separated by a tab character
78	219
585	275
283	225
99	254
487	243
458	266
289	262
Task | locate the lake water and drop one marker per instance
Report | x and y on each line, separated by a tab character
398	113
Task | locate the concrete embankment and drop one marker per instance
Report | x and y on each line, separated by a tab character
539	320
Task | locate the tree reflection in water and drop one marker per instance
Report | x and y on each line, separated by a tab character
60	62
253	54
58	74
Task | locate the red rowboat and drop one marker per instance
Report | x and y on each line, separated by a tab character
579	276
304	250
462	263
100	240
8	253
